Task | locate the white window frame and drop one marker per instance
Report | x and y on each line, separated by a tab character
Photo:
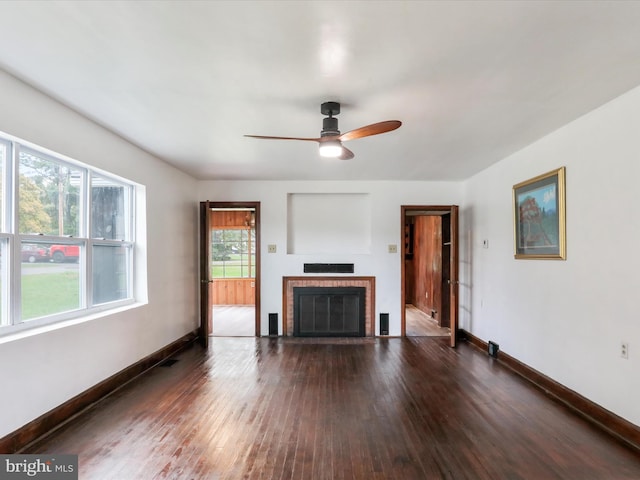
9	233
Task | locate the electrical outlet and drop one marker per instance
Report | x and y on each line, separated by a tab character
624	350
393	249
271	248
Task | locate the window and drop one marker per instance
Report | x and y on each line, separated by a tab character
108	212
49	200
233	253
4	282
4	239
110	273
66	238
110	227
4	148
47	288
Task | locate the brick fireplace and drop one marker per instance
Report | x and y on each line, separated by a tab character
288	284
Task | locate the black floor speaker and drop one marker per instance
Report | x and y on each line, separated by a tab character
384	324
273	324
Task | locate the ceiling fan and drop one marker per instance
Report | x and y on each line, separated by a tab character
331	139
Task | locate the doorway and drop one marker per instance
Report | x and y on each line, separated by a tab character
230	269
430	271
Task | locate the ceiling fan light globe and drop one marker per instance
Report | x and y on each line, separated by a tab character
330	149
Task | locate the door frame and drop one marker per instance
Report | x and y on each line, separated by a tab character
453	263
205	261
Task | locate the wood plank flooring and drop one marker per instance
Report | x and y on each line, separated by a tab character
283	408
419	324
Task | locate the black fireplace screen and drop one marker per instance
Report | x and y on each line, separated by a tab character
329	311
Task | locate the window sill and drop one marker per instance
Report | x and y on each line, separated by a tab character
19	332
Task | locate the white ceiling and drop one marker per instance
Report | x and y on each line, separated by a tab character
472	82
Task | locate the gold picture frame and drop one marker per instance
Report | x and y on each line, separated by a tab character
539	217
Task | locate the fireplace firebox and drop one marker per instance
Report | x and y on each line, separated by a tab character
329	311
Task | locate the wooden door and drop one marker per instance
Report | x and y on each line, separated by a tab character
205	273
453	276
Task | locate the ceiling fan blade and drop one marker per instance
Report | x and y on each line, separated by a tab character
264	137
346	154
373	129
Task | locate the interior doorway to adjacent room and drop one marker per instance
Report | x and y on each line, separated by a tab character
230	271
430	271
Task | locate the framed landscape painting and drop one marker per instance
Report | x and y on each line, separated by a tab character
539	217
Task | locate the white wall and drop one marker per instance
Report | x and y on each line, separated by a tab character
566	319
39	372
385	199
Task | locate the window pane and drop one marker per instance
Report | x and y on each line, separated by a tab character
47	288
110	273
4	284
49	196
232	251
4	152
108	213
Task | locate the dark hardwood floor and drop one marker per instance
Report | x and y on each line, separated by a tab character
283	408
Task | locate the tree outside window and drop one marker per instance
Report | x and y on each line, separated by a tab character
49	196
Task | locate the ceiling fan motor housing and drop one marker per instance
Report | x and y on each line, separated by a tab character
329	127
330	124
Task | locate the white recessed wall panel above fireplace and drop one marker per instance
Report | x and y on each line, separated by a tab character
320	223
